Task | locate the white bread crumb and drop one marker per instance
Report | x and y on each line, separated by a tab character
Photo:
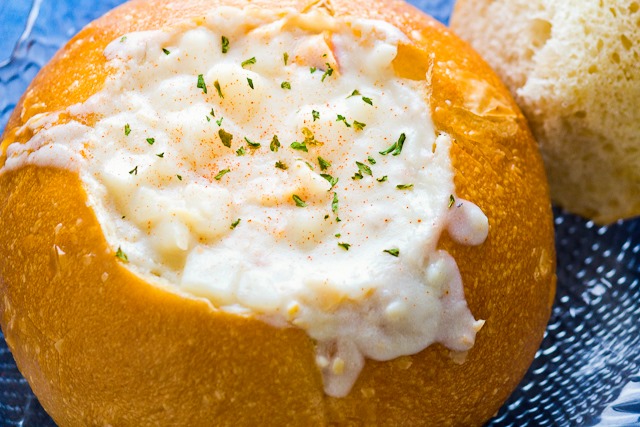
573	67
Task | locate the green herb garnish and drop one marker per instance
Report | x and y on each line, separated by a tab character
364	169
383	179
371	160
151	141
324	165
452	200
281	165
134	171
222	173
249	61
121	255
393	252
201	84
219	121
161	155
316	115
240	151
127	129
252	144
396	148
235	223
354	93
404	186
358	125
299	202
225	137
250	82
344	246
313	70
367	100
328	72
275	144
285	56
179	177
166	51
286	85
216	84
225	44
332	180
299	146
342	118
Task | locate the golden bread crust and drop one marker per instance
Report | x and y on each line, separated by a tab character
100	346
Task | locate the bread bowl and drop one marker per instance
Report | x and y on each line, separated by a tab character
103	342
572	68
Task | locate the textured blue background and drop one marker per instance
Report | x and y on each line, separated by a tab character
591	348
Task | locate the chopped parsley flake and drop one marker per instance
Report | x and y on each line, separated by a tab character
313	70
396	148
338	235
161	155
249	61
235	223
286	85
121	255
383	179
357	176
219	121
134	171
166	51
358	125
342	118
225	137
299	146
327	73
394	252
281	165
222	173
404	186
334	203
213	113
250	82
216	84
201	84
332	180
299	202
285	56
364	169
344	246
367	100
316	115
275	144
252	144
225	44
240	151
324	165
354	93
179	177
151	141
127	129
309	138
208	118
371	160
452	200
123	39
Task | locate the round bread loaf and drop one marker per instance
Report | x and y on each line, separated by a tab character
572	68
105	340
